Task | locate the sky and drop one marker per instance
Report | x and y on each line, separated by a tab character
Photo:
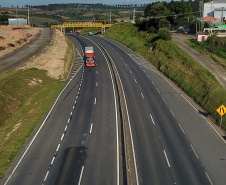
20	3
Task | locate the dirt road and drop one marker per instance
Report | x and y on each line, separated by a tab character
216	70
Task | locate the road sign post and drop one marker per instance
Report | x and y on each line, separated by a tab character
221	110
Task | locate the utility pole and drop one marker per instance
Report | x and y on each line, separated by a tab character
28	17
222	15
133	16
16	17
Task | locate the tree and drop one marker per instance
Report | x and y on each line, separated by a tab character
165	34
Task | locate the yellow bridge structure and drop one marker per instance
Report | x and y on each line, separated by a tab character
82	25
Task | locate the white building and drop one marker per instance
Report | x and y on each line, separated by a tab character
214	9
19	21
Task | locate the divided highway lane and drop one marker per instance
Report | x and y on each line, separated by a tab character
172	140
77	142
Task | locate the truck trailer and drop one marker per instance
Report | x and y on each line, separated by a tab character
89	56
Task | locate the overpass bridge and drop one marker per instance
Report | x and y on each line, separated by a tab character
82	25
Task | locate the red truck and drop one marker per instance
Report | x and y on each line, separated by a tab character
89	56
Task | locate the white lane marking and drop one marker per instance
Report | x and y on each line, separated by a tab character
194	151
152	120
43	123
153	82
209	178
91	128
80	178
142	95
53	160
158	90
46	175
58	147
96	84
68	120
65	128
73	107
62	137
71	113
166	158
121	58
181	128
149	77
96	72
135	81
172	112
130	72
164	100
126	65
95	101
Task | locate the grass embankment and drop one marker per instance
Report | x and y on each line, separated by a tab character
173	62
218	54
25	97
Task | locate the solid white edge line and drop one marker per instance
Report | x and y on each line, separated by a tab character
166	158
91	128
152	120
80	178
43	123
209	178
131	135
194	151
116	123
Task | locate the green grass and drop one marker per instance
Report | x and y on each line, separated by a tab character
25	97
218	55
177	65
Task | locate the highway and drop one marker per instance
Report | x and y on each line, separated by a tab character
80	139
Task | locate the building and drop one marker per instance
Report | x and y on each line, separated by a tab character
17	22
214	9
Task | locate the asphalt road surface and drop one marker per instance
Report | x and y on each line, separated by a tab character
21	55
77	143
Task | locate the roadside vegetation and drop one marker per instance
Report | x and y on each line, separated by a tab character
174	63
214	47
25	97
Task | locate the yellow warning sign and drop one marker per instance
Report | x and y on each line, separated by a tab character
221	110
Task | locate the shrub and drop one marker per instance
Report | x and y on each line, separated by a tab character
164	34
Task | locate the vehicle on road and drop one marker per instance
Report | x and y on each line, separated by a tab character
89	57
90	33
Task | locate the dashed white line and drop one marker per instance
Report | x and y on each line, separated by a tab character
73	107
152	120
126	65
53	160
130	72
164	100
166	158
149	76
71	113
96	84
65	128
135	81
68	120
58	147
95	101
158	90
80	178
96	72
194	151
172	112
46	175
62	137
91	128
181	128
153	82
142	95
